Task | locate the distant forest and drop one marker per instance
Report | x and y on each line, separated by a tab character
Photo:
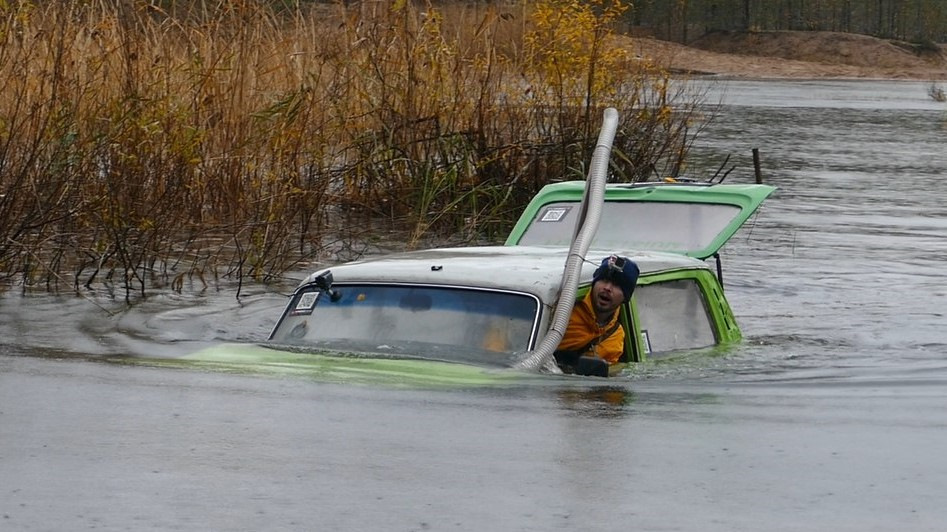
920	21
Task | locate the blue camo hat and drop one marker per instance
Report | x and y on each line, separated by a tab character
619	270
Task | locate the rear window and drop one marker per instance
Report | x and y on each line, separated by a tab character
442	323
655	226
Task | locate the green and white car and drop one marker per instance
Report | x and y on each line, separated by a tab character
490	306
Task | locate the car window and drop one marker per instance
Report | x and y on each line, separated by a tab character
444	323
656	226
673	316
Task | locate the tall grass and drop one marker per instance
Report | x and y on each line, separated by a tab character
149	145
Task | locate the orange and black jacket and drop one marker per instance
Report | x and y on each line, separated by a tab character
584	336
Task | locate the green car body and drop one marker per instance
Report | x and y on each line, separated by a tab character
463	316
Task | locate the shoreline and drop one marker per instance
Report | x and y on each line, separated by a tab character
789	56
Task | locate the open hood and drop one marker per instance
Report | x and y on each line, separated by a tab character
689	219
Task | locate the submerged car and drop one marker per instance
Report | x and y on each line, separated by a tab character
491	306
508	306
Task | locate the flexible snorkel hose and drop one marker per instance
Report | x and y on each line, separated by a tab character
590	212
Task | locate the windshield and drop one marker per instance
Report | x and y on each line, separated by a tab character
442	323
654	226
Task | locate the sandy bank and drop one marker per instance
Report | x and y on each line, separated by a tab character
789	54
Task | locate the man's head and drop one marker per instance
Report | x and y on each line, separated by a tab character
618	271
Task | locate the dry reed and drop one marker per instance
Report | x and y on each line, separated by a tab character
144	146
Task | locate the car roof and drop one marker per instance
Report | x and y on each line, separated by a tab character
533	269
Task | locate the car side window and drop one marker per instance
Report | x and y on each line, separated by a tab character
673	315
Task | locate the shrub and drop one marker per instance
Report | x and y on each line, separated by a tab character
143	145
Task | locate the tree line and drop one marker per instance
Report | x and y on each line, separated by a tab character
922	21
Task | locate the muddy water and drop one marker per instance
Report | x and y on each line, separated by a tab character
831	416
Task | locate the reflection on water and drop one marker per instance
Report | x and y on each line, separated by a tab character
829	416
605	401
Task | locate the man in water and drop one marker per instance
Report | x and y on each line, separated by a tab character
594	329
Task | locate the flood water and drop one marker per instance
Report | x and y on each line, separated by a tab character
832	415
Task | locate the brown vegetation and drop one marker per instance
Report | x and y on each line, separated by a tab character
142	148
